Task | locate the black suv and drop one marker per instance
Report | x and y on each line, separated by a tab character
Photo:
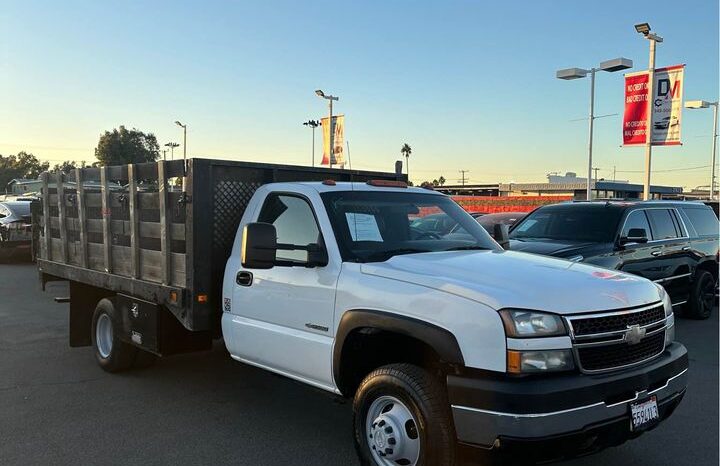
672	243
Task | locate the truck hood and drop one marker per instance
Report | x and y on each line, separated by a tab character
507	279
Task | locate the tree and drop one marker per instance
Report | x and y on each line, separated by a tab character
22	165
122	146
406	151
68	166
441	180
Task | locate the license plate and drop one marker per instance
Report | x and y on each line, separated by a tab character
644	414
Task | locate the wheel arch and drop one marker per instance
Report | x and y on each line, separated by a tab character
359	324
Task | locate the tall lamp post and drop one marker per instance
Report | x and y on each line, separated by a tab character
313	124
613	65
714	105
644	29
330	100
172	146
184	180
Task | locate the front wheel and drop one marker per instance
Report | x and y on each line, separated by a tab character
702	295
401	416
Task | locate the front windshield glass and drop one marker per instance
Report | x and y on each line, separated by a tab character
589	223
372	226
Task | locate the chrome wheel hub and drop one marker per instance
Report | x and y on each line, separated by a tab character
104	335
392	433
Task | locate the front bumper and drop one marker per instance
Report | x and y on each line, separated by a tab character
492	411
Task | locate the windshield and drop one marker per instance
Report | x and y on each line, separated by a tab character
592	223
372	226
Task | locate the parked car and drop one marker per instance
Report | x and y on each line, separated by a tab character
437	340
671	243
438	224
501	218
15	230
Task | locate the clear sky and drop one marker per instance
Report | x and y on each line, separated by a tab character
468	84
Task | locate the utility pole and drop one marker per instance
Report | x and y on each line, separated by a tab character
172	146
164	153
462	173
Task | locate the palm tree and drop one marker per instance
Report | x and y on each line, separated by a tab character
406	151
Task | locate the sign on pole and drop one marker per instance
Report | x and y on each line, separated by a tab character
338	154
666	107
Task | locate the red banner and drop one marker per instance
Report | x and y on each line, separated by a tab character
493	204
636	106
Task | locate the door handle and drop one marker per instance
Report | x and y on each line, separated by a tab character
244	278
656	253
686	248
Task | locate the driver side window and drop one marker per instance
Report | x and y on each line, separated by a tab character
294	222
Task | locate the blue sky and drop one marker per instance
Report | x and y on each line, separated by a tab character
468	84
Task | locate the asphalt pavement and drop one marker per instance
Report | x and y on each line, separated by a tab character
58	407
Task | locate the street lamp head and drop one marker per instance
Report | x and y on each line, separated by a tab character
320	93
179	124
643	28
697	104
571	73
616	64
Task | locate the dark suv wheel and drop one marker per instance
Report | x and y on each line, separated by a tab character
702	295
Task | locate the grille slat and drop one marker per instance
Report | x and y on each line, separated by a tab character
618	355
614	323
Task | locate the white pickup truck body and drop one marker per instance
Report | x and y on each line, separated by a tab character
444	341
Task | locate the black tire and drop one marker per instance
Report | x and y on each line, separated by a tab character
702	295
121	355
426	398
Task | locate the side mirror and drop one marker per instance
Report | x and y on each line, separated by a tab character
259	246
500	233
635	235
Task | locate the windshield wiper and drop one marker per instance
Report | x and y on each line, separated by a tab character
466	248
387	254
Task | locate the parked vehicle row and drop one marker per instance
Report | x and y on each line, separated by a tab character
15	230
439	339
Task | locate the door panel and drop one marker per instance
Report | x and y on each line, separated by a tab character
283	320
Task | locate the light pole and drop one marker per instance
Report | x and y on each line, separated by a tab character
714	105
644	29
172	146
613	65
184	127
330	99
184	180
313	124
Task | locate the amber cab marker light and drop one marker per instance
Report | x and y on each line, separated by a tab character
202	298
387	184
513	362
329	182
173	297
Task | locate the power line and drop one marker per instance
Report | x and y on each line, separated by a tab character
463	179
666	170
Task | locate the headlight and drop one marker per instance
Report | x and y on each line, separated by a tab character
525	324
539	361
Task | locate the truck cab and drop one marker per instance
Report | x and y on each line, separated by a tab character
448	338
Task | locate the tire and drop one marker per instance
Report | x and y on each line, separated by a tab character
702	295
111	353
406	411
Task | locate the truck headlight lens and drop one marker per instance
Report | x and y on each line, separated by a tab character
524	324
524	362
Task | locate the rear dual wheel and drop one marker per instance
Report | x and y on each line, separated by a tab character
113	354
401	417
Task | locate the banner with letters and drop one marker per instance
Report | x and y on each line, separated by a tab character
338	154
666	105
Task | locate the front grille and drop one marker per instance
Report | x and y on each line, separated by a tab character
601	341
605	357
617	322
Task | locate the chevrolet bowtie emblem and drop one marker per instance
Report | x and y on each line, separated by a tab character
634	334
